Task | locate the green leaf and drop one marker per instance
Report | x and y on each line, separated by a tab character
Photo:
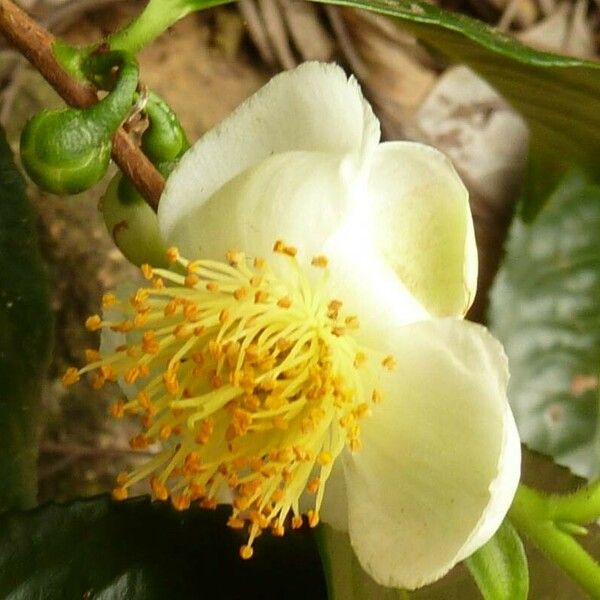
545	309
558	96
140	550
25	335
500	567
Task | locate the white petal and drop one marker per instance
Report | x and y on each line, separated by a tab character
422	225
298	197
313	108
440	460
366	283
334	509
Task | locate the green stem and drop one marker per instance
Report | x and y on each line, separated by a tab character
531	514
582	506
108	114
156	18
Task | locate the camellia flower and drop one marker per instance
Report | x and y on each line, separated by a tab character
335	377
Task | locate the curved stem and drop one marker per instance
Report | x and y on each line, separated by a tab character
157	17
109	113
531	514
582	506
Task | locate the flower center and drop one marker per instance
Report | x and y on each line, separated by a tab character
251	382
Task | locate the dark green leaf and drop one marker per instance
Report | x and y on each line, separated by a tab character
546	311
25	334
558	96
500	567
138	550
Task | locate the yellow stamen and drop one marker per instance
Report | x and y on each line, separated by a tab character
247	380
70	377
93	323
172	254
147	271
320	261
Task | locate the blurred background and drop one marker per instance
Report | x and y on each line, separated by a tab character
204	67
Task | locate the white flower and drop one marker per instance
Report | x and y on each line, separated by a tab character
428	476
301	161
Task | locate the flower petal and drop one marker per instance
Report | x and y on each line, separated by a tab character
441	458
298	197
313	108
334	509
366	283
423	225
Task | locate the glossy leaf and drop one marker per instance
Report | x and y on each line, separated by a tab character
545	310
25	334
139	550
500	567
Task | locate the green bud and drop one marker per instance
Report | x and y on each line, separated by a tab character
164	141
60	154
68	151
132	224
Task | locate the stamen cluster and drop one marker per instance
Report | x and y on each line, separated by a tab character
248	383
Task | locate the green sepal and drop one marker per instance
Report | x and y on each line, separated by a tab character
500	566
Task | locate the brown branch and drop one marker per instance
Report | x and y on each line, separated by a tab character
35	43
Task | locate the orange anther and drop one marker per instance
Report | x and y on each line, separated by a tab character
234	257
320	262
181	502
297	521
191	280
108	300
120	493
70	377
241	293
147	271
117	410
93	323
313	486
159	489
389	362
284	302
172	254
235	523
122	478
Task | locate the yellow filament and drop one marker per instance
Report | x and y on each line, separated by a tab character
249	381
